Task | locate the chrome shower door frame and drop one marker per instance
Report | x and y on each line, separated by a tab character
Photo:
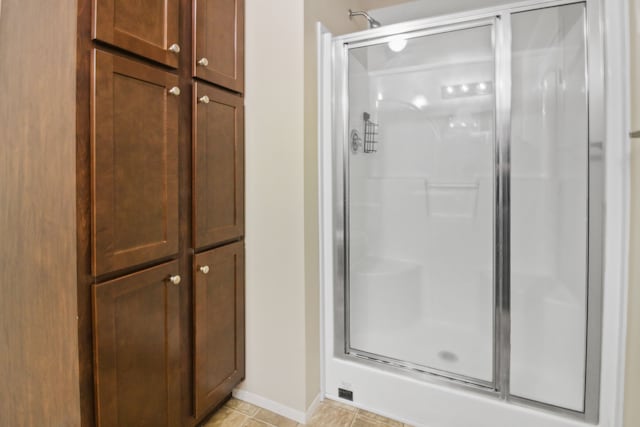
499	18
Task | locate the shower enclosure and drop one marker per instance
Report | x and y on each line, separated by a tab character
467	198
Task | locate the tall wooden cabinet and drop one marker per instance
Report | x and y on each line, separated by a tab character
160	159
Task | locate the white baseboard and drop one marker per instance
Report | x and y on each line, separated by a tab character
312	408
278	408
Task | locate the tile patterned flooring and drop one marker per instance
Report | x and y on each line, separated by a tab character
237	413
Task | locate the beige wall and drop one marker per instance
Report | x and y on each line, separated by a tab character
38	305
275	293
632	377
283	304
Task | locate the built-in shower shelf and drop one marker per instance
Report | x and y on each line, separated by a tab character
452	199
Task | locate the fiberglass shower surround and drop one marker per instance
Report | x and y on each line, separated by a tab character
469	232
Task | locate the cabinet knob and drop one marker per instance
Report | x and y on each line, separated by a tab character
204	269
204	99
175	279
175	48
203	61
174	91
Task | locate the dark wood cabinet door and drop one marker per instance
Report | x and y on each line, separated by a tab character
145	27
219	42
136	349
218	324
134	148
218	166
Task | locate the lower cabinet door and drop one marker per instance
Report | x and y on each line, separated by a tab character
136	346
218	324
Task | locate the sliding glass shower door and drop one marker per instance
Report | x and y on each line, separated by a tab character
420	201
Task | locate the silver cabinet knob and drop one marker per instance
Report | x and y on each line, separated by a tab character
175	48
204	269
175	279
204	99
174	91
203	61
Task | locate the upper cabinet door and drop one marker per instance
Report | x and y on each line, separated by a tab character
218	166
145	27
134	149
137	349
219	42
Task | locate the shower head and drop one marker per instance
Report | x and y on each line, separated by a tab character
372	22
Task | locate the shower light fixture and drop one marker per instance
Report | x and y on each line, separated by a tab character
397	44
419	101
472	121
466	89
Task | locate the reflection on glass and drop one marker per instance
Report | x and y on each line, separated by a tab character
421	206
549	188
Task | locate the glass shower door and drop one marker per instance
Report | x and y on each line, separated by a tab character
420	206
549	206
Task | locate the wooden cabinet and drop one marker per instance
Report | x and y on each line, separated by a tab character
219	42
218	166
135	163
137	355
160	183
218	320
147	28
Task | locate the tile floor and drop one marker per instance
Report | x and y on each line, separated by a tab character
237	413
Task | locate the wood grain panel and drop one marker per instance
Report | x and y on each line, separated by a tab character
137	351
218	166
135	164
38	324
144	27
186	246
218	325
219	37
83	212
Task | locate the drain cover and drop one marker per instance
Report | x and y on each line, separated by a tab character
448	356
